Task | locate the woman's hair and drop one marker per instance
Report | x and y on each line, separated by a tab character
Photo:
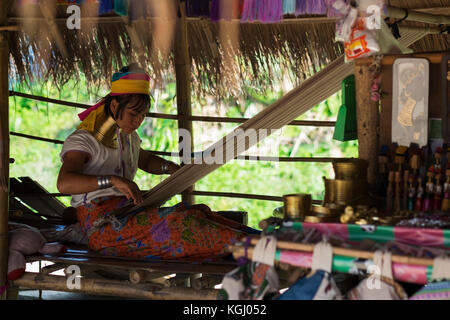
140	101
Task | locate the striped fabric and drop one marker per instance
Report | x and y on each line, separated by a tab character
130	82
433	291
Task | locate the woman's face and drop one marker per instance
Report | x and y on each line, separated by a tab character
131	119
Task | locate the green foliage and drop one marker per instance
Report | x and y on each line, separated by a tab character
40	160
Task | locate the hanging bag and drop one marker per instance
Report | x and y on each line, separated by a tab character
319	284
439	290
380	285
255	279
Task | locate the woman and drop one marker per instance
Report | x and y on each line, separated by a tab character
100	160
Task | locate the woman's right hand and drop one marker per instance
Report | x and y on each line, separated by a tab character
128	188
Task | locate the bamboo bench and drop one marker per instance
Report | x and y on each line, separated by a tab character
31	204
125	277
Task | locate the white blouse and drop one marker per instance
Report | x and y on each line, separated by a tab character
103	160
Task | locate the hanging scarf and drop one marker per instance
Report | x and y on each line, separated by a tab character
249	10
121	7
316	7
270	10
106	6
101	125
226	9
289	6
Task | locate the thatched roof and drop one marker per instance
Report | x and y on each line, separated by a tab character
260	54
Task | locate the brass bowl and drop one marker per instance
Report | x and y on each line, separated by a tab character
320	219
324	211
351	169
321	214
312	219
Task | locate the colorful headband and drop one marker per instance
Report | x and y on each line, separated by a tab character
123	83
101	125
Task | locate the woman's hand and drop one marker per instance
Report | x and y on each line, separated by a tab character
128	188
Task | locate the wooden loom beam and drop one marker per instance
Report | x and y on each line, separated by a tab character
299	100
286	109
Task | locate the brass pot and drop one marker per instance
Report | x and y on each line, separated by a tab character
296	206
329	196
351	169
349	192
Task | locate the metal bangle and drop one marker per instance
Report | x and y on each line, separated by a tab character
104	182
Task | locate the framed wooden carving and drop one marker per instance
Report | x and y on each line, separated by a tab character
410	101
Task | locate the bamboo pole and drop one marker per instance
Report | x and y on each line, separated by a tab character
311	123
105	287
239	251
389	60
285	245
244	196
10	28
195	192
174	154
433	15
183	85
106	20
4	146
141	276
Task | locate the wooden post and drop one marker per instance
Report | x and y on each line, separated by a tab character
4	144
367	116
183	83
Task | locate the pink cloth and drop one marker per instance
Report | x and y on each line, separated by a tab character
83	115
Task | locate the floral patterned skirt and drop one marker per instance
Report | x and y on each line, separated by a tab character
181	231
